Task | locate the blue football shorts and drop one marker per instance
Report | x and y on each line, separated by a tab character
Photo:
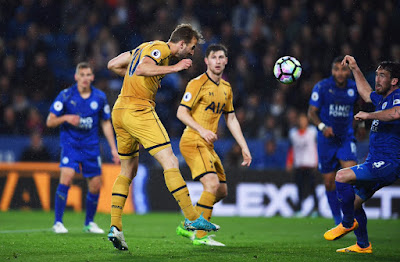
87	158
373	175
331	150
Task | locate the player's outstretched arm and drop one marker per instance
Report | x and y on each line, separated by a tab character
109	134
386	115
185	117
54	121
234	127
148	67
363	87
119	64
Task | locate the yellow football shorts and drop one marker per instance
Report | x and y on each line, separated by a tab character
201	158
139	126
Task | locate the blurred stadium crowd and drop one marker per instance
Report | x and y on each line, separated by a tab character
41	41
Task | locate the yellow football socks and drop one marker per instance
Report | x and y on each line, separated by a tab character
205	206
177	186
119	194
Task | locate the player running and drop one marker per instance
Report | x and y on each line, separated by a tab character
331	110
136	122
80	110
206	98
357	184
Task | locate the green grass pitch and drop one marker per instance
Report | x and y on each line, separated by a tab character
26	236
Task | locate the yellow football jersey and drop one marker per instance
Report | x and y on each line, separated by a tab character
141	90
207	100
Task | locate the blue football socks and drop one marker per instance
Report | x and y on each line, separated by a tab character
334	205
60	202
361	231
345	195
91	207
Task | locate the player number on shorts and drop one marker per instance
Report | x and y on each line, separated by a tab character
379	164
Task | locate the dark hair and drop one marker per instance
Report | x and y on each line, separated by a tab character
337	59
392	67
82	65
215	48
185	32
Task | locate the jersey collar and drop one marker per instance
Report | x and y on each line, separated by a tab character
217	84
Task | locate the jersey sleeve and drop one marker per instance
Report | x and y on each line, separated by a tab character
58	106
192	95
396	100
105	112
315	99
375	98
229	106
157	52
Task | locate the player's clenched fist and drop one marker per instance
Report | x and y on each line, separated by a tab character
361	116
184	64
350	61
72	119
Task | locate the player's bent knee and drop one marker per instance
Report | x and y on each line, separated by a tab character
172	162
212	187
223	194
342	176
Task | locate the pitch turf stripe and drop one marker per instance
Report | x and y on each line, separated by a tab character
179	188
38	230
25	231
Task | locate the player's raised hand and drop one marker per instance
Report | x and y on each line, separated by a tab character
350	61
184	64
246	157
72	119
209	136
361	116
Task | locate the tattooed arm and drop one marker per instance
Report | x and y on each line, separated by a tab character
390	114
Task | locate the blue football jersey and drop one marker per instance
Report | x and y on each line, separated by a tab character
384	139
336	105
91	110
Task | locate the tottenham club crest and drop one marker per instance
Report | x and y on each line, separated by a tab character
94	105
156	53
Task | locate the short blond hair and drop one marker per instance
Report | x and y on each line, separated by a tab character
82	65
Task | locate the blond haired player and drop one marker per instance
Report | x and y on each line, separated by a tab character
136	122
205	99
